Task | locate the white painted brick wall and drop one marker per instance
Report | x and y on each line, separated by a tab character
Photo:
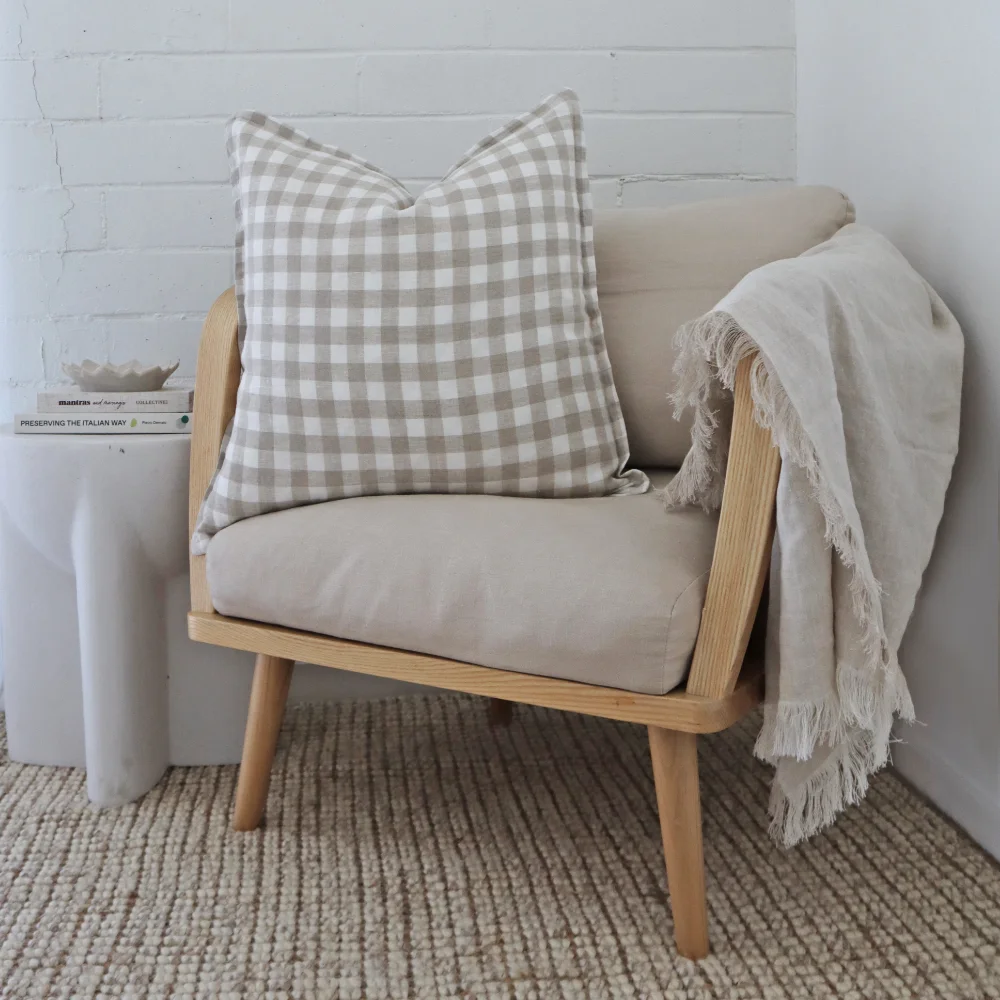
115	214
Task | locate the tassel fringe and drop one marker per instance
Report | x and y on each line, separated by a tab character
842	781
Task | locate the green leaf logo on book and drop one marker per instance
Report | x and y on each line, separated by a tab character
134	422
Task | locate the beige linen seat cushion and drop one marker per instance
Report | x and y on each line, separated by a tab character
604	590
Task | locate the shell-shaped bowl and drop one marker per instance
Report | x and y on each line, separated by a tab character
129	377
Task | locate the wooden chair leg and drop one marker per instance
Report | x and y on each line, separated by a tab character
675	772
499	713
271	678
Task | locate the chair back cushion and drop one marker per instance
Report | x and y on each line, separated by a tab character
659	268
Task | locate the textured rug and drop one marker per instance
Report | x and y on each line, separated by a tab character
410	851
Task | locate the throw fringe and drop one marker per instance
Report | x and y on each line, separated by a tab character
797	729
858	720
840	782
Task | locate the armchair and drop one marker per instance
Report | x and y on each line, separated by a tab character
719	689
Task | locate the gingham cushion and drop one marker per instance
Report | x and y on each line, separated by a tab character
449	343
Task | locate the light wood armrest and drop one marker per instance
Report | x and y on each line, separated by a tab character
742	550
216	383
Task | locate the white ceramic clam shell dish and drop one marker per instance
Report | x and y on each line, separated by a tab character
129	377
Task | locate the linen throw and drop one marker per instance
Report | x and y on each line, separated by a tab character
858	377
448	343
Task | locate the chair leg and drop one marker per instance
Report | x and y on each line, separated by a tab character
271	678
675	772
499	713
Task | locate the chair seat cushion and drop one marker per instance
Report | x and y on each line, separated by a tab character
605	590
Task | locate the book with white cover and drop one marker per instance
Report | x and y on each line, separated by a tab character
73	400
103	423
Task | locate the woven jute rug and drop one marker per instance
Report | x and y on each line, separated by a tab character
411	851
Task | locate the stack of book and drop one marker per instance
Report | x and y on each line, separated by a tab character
71	411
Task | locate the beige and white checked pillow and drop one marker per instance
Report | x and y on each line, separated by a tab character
448	343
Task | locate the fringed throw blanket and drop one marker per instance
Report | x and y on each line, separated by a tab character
858	377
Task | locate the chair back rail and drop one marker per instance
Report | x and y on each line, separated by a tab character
216	383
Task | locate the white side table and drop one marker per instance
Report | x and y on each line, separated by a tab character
98	669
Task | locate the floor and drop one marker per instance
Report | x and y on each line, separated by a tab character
411	851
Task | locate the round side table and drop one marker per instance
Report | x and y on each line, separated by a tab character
98	669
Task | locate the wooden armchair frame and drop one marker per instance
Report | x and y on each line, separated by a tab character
719	691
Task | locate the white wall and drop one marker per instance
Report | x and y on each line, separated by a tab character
115	219
898	105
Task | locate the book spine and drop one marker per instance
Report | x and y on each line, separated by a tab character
163	401
117	423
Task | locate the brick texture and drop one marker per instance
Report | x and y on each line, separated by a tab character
115	215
